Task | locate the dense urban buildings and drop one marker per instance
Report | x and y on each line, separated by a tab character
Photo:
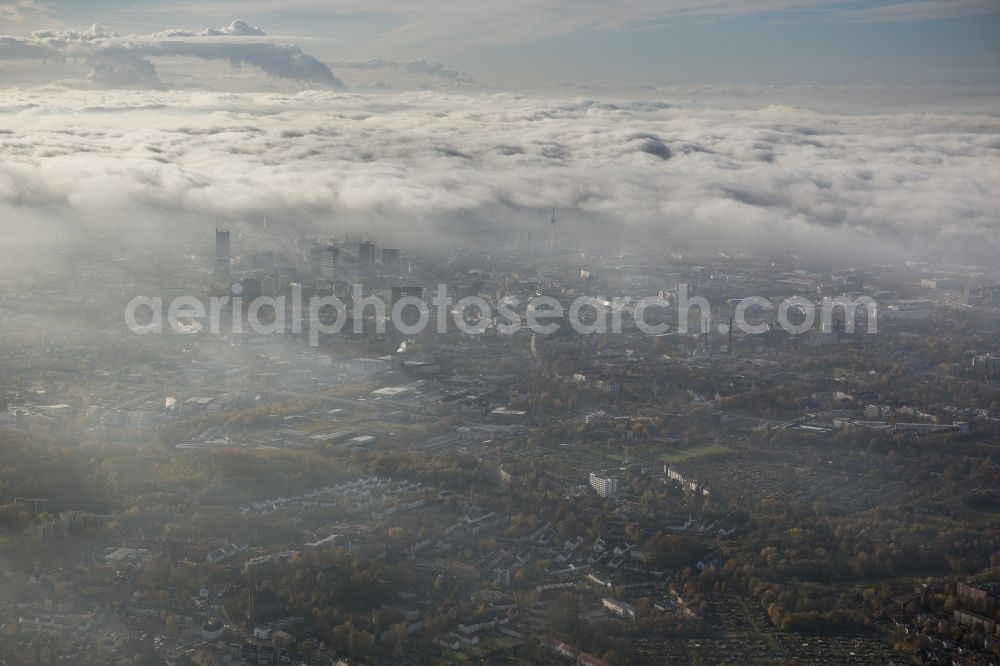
460	494
532	334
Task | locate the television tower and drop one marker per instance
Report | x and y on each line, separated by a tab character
552	230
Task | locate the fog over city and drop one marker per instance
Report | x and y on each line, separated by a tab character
887	184
546	332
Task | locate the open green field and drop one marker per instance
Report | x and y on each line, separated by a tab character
681	453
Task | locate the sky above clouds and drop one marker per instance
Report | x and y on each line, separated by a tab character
521	42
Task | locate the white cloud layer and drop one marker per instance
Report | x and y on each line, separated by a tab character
857	184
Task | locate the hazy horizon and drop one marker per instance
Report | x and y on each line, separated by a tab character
505	332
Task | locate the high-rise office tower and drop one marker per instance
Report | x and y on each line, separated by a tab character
390	261
270	286
330	261
324	260
221	252
366	254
